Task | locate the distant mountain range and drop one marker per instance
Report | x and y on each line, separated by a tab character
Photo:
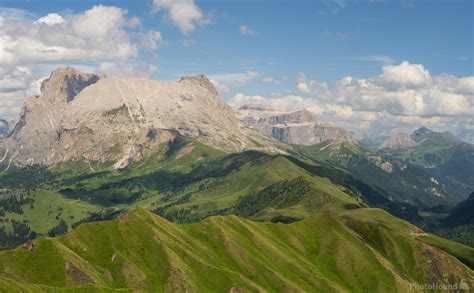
298	127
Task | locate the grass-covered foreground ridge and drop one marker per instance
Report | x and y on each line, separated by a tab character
361	250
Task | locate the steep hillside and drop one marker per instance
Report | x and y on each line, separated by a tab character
444	156
462	214
327	252
459	224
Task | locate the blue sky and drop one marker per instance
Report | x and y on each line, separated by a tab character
267	49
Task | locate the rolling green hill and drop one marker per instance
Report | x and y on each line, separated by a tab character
363	250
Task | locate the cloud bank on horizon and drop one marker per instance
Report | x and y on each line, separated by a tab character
402	96
123	41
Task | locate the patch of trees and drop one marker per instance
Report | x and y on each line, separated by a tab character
20	233
29	177
281	194
463	234
104	215
60	229
12	200
181	216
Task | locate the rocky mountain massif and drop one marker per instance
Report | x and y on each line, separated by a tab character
84	116
298	127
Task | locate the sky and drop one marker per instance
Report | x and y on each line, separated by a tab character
371	66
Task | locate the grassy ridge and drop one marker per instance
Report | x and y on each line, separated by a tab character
363	250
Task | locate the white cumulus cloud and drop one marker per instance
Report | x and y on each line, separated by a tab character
31	46
185	14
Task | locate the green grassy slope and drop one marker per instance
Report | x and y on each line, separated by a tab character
189	185
364	250
186	184
49	207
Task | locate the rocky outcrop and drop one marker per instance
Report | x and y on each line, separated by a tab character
82	116
37	129
299	127
306	134
399	140
65	83
297	117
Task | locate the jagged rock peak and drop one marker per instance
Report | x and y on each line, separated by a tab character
399	140
200	80
302	116
65	83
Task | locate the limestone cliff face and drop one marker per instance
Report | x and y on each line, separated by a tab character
298	127
37	129
297	117
65	83
82	116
